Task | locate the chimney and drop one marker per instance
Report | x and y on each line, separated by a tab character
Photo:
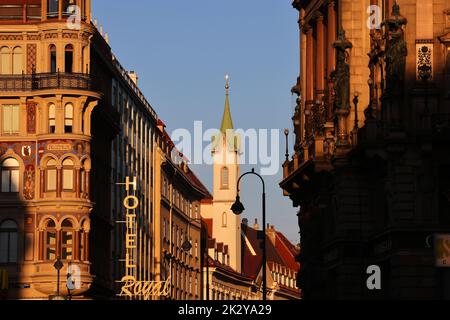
133	77
256	225
271	233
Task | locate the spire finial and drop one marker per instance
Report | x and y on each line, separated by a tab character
227	79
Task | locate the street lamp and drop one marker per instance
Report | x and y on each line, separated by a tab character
58	266
187	247
238	208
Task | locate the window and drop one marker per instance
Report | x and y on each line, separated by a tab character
65	6
50	241
68	118
10	119
51	175
8	242
68	58
67	240
224	220
5	60
224	176
52	10
10	176
68	175
53	64
51	118
83	174
164	229
83	238
17	61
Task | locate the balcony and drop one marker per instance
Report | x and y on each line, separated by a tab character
47	81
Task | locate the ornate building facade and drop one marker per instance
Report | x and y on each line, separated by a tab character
371	168
73	126
47	96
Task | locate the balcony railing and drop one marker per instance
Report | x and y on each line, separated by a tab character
47	81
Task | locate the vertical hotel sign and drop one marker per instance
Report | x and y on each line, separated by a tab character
132	288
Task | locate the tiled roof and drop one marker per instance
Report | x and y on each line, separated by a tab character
281	252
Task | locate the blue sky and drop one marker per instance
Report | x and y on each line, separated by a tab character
181	50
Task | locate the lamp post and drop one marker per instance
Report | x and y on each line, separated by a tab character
187	246
238	208
58	266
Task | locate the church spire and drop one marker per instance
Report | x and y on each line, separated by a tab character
227	121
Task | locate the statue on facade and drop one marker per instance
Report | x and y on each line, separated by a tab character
396	50
342	72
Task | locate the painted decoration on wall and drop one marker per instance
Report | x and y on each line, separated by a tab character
31	117
28	185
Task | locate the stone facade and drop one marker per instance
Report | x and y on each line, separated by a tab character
371	178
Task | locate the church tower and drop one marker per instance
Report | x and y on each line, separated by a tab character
226	171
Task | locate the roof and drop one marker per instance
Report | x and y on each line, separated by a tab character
227	120
280	252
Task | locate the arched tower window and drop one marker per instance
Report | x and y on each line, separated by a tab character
10	177
224	178
17	61
68	175
67	236
68	118
5	60
50	251
224	220
68	58
8	242
52	118
53	63
51	175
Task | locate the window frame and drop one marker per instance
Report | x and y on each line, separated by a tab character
9	245
10	171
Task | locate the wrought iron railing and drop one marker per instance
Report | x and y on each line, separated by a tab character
48	81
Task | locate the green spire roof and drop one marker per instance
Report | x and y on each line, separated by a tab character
227	121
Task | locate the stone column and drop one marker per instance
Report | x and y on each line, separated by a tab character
77	182
309	78
58	182
41	183
331	52
320	58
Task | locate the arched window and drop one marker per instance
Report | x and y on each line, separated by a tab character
224	220
8	242
68	118
53	63
10	176
68	58
51	118
51	176
5	60
68	175
67	236
50	241
52	9
17	60
224	178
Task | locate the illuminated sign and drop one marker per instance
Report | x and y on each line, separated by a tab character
442	248
131	287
